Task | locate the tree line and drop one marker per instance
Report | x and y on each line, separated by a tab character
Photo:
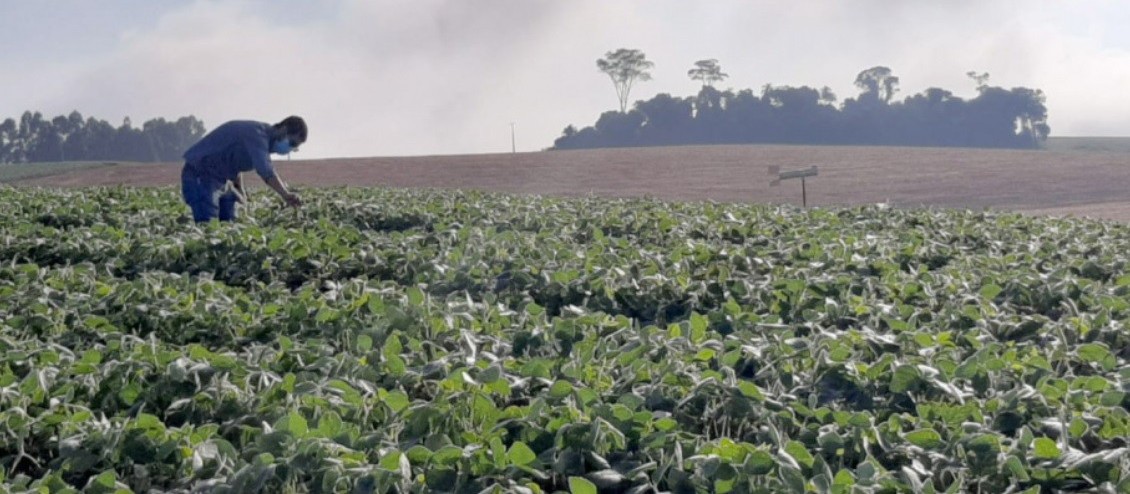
34	138
996	117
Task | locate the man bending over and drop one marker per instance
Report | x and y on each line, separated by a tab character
220	158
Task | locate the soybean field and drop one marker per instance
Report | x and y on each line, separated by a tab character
411	340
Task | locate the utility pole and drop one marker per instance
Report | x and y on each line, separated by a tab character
513	147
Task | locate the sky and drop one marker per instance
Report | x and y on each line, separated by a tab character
428	77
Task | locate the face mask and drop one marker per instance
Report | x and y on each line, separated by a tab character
282	146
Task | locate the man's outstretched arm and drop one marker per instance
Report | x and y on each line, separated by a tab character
288	196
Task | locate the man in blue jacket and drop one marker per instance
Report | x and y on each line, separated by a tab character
228	150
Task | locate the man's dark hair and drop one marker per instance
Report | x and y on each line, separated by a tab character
294	125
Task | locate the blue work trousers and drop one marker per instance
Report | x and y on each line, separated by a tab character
207	197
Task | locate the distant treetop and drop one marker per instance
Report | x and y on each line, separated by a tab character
707	71
625	66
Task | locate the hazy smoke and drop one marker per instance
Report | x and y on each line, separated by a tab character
448	76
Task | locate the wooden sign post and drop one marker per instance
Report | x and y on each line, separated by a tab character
775	171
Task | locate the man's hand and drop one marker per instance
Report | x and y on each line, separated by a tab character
292	200
289	197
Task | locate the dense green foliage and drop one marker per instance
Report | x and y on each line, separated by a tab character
438	341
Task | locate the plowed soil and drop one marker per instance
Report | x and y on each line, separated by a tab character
1079	183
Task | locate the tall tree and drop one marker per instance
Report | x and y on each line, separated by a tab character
31	130
74	146
707	71
131	144
8	140
625	66
100	137
877	82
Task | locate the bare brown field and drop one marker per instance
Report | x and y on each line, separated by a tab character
1080	183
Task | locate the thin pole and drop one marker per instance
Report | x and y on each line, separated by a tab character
803	193
513	147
